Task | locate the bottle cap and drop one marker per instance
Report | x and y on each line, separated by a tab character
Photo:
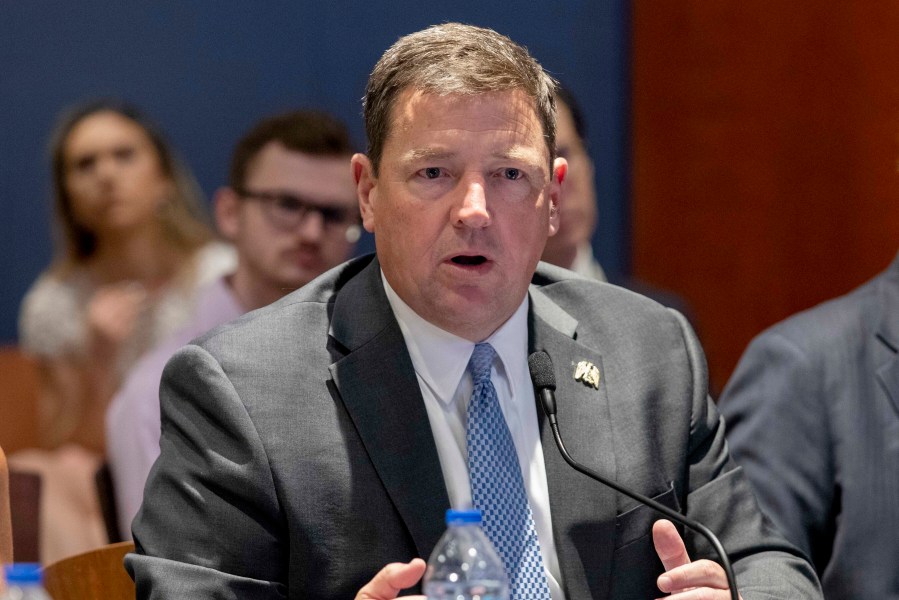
23	573
469	515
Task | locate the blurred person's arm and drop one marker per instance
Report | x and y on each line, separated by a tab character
75	388
132	429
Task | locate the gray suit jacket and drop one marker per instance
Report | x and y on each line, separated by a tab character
813	416
297	457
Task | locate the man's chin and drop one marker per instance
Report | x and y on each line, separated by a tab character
472	315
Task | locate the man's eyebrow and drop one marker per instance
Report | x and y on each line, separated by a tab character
428	154
516	153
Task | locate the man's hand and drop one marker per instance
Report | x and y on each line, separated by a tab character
393	578
683	579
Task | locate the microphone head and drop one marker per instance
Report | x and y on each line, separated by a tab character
541	368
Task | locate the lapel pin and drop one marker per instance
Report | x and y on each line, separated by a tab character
587	373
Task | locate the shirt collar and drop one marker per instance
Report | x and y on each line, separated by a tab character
440	358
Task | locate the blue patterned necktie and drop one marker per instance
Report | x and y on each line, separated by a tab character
497	487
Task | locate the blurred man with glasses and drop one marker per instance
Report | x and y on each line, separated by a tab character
291	212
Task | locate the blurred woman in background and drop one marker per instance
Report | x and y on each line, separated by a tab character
133	246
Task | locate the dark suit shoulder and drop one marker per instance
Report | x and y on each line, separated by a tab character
596	302
853	317
558	282
313	298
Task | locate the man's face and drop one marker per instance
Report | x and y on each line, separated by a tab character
462	205
282	244
578	215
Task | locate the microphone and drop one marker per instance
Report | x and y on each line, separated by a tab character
544	380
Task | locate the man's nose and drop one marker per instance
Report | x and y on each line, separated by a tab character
472	211
312	225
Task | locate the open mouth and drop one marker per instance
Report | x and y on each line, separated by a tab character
469	260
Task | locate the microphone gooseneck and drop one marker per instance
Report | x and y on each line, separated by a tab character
544	379
541	369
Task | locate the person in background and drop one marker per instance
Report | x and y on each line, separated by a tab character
571	247
812	414
312	442
290	210
133	247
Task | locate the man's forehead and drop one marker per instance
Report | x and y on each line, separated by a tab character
412	101
276	157
325	178
508	117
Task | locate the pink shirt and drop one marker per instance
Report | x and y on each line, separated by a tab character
133	421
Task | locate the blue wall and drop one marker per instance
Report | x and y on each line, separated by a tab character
205	71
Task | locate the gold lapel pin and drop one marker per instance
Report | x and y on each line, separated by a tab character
587	373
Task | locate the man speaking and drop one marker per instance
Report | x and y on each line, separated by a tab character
309	444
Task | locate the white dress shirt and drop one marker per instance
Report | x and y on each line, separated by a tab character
440	360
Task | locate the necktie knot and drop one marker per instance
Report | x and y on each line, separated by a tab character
481	362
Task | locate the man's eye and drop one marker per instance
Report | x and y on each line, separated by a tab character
330	215
432	172
288	203
512	173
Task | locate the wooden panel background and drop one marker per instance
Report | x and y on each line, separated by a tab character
765	155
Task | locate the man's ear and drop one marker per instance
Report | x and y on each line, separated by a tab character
560	170
227	212
366	184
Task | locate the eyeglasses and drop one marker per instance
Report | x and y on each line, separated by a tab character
289	211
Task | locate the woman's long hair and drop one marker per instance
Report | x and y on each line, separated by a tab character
183	216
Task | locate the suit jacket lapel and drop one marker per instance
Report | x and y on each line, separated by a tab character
888	332
378	387
583	511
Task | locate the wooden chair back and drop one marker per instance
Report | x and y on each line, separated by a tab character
99	573
5	522
19	396
106	495
24	505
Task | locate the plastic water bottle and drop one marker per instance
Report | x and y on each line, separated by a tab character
464	565
24	581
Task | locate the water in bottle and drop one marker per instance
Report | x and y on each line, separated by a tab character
24	581
464	564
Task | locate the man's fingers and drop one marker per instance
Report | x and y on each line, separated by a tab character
391	579
698	574
683	579
669	545
700	594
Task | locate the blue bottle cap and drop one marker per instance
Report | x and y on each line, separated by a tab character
469	515
27	573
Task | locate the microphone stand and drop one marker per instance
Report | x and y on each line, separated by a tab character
543	378
673	515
